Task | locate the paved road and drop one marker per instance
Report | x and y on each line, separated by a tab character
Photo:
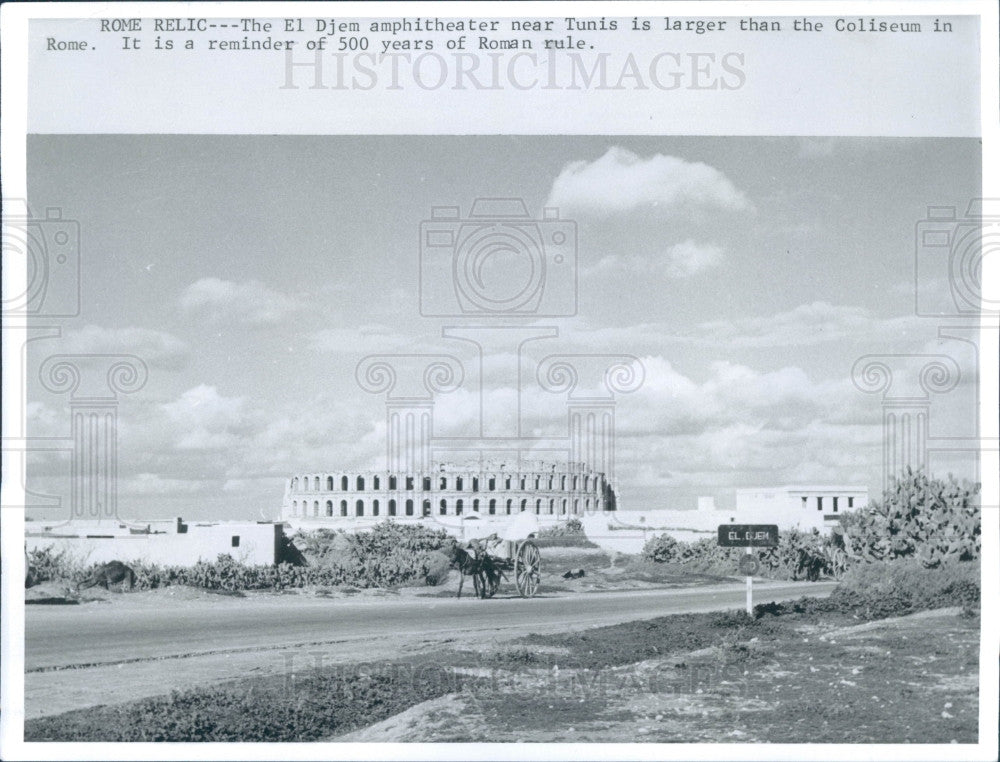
62	636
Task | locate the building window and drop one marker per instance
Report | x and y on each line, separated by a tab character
458	508
426	507
444	508
409	483
563	506
805	501
409	507
360	483
522	482
359	508
475	505
427	484
538	506
375	482
835	501
444	482
475	484
329	484
562	482
329	507
576	506
343	507
235	541
374	507
524	505
343	483
819	503
850	502
493	507
552	506
392	482
506	482
458	483
492	484
392	507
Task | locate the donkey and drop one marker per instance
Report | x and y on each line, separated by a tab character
473	560
106	575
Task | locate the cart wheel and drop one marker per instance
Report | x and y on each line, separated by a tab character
527	569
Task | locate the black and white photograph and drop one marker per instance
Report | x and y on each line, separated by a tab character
386	441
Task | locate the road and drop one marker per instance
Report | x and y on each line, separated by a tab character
58	637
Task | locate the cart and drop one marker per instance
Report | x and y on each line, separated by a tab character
495	558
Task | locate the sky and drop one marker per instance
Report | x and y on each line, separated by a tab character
745	276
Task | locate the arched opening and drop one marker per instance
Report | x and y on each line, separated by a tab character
360	483
329	508
522	482
475	505
409	483
409	507
443	508
458	508
305	483
550	482
295	507
562	509
493	507
552	506
316	483
538	481
524	505
562	483
374	507
586	505
359	508
316	509
343	507
375	482
392	482
576	506
426	508
392	507
458	483
343	483
444	482
491	484
538	506
506	483
509	506
329	484
295	484
427	484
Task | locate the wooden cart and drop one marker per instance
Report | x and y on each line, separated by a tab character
498	558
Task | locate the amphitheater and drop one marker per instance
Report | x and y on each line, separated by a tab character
447	494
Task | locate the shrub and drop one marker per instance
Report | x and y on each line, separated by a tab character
893	588
568	528
662	549
918	517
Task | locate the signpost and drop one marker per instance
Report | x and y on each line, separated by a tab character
748	536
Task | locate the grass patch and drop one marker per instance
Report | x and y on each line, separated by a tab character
306	707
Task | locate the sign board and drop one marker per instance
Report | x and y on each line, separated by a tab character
749	565
748	535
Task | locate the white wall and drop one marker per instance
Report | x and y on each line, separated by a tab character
258	544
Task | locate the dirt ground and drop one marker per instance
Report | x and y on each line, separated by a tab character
911	679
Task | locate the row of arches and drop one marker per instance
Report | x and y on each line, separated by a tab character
453	482
492	507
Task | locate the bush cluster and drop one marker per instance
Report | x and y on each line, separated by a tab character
931	520
386	555
799	555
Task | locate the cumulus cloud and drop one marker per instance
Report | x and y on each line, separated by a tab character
156	348
808	324
206	420
678	261
620	181
251	304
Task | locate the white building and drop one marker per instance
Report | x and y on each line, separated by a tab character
172	543
803	507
